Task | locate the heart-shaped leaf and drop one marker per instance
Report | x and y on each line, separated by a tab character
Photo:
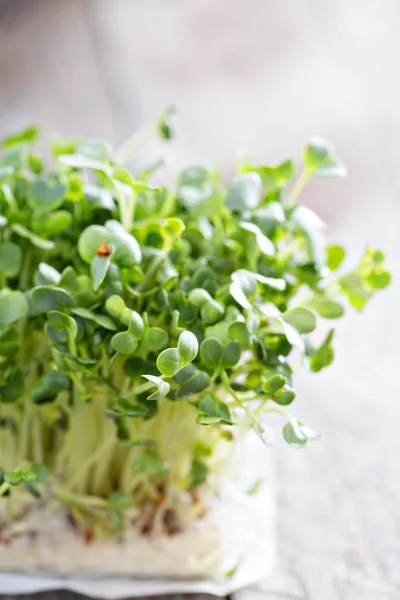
320	159
50	224
17	477
172	360
44	194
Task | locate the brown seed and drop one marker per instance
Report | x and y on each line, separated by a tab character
103	250
88	536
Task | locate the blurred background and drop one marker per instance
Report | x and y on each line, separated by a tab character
260	77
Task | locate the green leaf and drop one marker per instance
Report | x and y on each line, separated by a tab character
98	269
95	148
239	333
238	295
245	284
79	161
34	239
13	306
312	228
244	192
116	308
274	177
101	320
293	336
192	381
44	195
199	472
378	279
151	464
49	298
120	500
354	287
321	161
219	331
188	347
166	124
41	472
215	409
215	356
211	312
284	395
10	259
155	339
293	435
297	435
231	354
169	362
324	355
327	308
25	136
193	176
9	343
303	319
51	224
162	387
32	490
124	176
5	174
59	320
127	250
17	477
273	384
12	388
47	275
269	217
124	342
243	287
335	256
211	353
264	244
49	386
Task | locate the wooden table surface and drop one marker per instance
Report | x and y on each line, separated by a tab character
262	76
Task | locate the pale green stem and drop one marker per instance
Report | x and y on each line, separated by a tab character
134	143
125	205
152	269
297	188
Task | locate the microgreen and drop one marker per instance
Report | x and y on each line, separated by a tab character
142	328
